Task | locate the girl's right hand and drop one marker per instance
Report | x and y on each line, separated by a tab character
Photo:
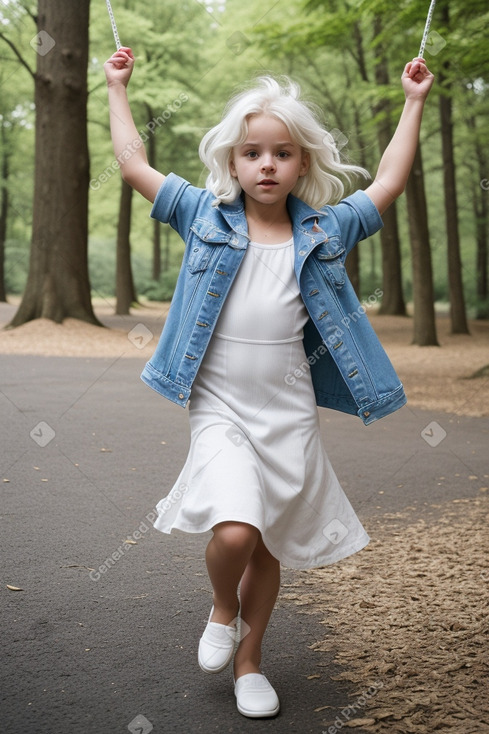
118	68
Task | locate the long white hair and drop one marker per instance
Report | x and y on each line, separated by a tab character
320	186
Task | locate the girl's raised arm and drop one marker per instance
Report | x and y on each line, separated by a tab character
396	163
128	146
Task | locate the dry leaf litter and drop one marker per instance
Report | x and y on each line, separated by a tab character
407	619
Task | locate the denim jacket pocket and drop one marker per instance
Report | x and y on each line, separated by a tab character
201	245
330	256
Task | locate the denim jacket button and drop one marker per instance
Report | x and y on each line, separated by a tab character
181	396
302	252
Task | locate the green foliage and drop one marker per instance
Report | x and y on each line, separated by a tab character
203	50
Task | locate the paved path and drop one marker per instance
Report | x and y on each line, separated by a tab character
87	450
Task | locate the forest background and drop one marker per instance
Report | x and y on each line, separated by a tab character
191	56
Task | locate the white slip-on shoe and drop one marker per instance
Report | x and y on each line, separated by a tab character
255	697
216	646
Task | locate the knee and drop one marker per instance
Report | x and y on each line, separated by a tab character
236	537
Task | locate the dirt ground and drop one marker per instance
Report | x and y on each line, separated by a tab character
409	618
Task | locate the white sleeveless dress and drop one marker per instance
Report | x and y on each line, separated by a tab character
256	454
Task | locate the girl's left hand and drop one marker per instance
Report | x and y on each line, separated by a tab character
417	79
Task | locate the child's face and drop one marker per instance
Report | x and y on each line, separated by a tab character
269	163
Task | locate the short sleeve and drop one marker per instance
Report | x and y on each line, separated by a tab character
176	203
357	217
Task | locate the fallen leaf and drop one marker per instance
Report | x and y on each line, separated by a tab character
315	675
359	722
14	588
382	713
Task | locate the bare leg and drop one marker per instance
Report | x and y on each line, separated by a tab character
258	592
227	555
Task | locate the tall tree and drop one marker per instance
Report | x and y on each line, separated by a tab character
58	283
393	297
153	161
481	213
424	312
480	199
455	283
125	291
4	174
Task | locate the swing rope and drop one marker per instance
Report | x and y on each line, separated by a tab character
421	48
427	29
114	27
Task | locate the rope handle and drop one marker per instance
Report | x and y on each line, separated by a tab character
426	29
114	27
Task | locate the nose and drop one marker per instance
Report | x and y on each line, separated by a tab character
268	162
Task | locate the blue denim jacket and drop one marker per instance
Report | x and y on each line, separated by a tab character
349	368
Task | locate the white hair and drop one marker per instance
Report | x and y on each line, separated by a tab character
320	185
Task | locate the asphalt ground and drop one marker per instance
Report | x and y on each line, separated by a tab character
86	452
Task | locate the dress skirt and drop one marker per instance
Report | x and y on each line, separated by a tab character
256	456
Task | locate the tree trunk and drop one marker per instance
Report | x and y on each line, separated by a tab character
58	282
424	312
481	213
392	292
455	283
3	213
392	298
481	216
124	285
353	258
152	160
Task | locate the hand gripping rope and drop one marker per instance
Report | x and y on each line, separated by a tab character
426	29
114	27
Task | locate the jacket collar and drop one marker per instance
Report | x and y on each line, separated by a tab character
235	216
299	211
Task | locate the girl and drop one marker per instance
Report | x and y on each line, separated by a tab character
263	326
